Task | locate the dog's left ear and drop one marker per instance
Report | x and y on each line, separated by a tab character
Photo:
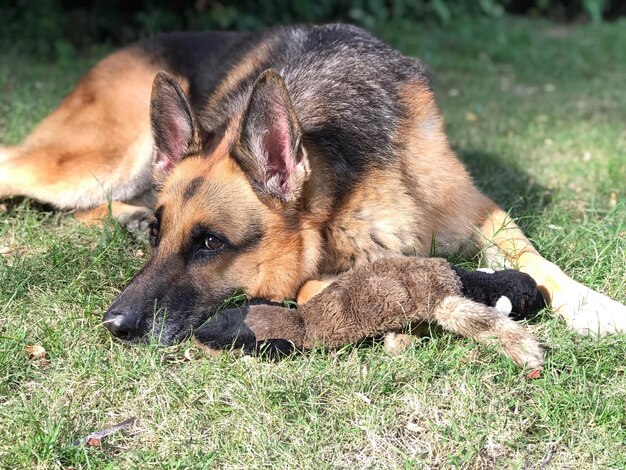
268	147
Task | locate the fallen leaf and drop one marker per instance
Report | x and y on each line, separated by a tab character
35	351
414	426
188	354
94	439
6	250
470	116
176	358
613	199
534	374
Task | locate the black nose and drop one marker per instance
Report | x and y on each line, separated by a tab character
122	323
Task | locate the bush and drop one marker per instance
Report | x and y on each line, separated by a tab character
59	27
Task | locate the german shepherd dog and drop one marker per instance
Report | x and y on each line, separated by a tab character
264	161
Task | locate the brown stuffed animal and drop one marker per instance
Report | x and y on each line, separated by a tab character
369	301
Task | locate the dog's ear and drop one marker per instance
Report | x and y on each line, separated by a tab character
174	128
268	147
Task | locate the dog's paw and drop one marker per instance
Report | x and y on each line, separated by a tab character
587	311
136	221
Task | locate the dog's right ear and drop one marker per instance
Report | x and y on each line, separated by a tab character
268	147
174	127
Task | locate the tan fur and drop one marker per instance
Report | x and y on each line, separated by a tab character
275	269
313	287
389	295
96	145
440	205
115	209
482	323
367	226
447	198
208	351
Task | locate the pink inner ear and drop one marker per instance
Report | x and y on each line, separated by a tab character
277	145
163	162
175	134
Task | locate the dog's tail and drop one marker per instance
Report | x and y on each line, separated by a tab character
486	324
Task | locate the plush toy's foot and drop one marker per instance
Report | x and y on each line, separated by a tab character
227	330
245	329
475	320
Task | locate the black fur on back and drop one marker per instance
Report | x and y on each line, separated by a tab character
342	80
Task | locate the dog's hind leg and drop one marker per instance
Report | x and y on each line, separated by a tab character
585	310
70	176
135	217
95	147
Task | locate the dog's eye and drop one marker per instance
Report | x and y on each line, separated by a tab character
213	243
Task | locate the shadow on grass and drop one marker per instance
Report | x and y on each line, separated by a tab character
508	184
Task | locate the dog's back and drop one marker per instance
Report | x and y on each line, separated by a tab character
344	84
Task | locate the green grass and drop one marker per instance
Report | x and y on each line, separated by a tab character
536	111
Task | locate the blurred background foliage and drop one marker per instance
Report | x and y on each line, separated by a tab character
60	28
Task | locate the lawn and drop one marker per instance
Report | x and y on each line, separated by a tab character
537	112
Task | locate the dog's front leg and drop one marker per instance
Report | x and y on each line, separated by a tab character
583	309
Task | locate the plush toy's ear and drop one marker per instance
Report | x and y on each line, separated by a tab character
504	305
269	148
174	128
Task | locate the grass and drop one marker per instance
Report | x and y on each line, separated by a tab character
536	111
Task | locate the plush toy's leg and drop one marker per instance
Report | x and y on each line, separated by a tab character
477	321
394	342
267	329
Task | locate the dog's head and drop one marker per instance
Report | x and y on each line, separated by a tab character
231	213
